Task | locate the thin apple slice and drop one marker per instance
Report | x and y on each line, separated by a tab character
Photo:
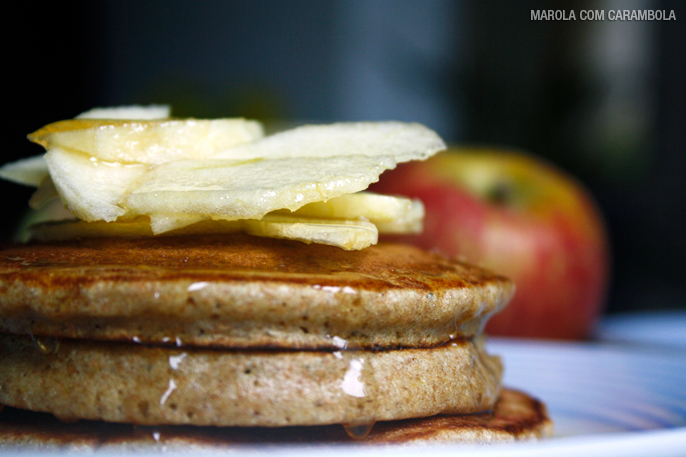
148	112
161	223
400	140
390	214
412	222
231	189
53	210
89	187
29	172
45	192
134	228
147	141
361	205
349	235
75	228
32	171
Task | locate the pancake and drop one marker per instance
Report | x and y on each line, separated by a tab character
152	385
244	292
515	417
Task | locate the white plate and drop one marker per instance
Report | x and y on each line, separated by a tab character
659	328
599	388
606	400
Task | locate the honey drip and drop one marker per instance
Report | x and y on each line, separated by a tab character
146	432
46	346
359	431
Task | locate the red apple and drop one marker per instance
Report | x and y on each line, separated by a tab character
520	217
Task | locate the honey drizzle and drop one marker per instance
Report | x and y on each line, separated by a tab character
358	431
44	345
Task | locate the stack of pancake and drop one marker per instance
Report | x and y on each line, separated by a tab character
239	331
202	325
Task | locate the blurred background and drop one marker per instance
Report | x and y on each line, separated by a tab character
602	99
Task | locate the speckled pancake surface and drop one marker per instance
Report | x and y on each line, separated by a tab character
515	417
139	384
240	291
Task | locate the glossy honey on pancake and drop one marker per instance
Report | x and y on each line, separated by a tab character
239	291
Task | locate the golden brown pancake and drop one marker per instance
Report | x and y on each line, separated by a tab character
231	330
516	416
241	291
156	385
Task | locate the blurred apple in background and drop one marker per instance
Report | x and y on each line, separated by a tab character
520	217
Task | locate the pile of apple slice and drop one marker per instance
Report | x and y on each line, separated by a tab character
134	171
